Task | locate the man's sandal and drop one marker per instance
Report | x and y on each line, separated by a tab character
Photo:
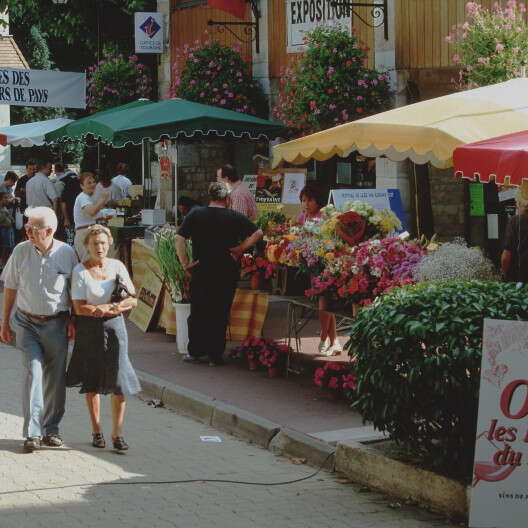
98	440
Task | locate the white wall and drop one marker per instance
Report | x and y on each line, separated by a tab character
391	174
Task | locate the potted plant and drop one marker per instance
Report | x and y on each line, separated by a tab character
177	282
337	379
257	268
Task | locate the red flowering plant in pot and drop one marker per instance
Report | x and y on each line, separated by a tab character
249	351
273	357
336	378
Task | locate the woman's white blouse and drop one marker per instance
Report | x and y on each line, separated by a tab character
93	291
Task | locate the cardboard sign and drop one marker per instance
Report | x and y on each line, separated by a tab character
269	186
148	297
251	182
378	198
499	491
293	184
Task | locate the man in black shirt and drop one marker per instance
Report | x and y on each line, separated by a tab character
219	237
514	260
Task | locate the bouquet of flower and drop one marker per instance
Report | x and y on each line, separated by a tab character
251	264
335	377
380	266
249	349
335	275
357	221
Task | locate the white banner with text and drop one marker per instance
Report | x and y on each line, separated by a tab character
42	88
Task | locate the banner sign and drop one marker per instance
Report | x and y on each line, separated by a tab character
42	88
148	32
499	496
378	198
305	15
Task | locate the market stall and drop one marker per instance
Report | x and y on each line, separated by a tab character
30	134
140	123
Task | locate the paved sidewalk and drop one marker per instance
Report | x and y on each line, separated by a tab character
167	446
293	402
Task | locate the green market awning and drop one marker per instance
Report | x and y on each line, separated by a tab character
146	120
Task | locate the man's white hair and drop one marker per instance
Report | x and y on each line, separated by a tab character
46	214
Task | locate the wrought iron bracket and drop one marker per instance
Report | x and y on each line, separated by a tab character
251	29
379	13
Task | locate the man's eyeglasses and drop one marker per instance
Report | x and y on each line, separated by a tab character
33	228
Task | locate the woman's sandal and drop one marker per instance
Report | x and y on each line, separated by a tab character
98	440
119	443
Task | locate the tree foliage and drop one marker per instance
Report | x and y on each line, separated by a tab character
491	44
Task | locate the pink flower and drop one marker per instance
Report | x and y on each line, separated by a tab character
449	38
499	47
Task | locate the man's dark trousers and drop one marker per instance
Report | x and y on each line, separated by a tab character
212	293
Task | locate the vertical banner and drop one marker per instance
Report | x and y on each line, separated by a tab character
148	32
499	489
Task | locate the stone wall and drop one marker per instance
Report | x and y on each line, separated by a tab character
447	200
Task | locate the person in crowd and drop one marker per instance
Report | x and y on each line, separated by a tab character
20	191
100	363
185	205
10	180
104	184
70	188
219	237
240	197
7	230
312	201
40	190
85	211
514	259
121	181
37	278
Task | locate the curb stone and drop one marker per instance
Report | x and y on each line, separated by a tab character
368	466
296	444
357	461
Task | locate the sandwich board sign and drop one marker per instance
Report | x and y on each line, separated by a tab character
499	490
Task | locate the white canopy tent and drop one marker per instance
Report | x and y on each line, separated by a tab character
31	134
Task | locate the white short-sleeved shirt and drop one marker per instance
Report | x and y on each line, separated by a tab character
41	280
93	291
40	191
123	185
80	217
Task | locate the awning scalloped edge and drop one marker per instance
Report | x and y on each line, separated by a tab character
370	150
248	135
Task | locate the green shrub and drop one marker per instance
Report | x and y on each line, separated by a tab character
418	355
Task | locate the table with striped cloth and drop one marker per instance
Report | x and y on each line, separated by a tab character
248	314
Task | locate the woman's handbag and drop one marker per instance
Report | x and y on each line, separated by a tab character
120	291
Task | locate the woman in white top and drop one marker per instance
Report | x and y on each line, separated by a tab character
85	211
100	363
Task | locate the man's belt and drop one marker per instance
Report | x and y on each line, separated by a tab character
83	227
44	317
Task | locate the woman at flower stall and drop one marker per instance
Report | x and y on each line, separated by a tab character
313	201
101	292
85	211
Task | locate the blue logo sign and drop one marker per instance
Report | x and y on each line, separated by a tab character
150	27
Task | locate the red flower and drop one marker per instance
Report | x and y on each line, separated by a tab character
351	227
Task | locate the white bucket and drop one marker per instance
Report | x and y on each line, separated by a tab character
183	311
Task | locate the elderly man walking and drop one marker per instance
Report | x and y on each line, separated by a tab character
219	237
37	277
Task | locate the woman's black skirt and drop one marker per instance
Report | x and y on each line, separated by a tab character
100	362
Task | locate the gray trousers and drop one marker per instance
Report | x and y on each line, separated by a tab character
45	348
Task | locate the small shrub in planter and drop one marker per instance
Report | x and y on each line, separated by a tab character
418	353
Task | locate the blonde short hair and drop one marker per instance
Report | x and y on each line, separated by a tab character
47	214
97	229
